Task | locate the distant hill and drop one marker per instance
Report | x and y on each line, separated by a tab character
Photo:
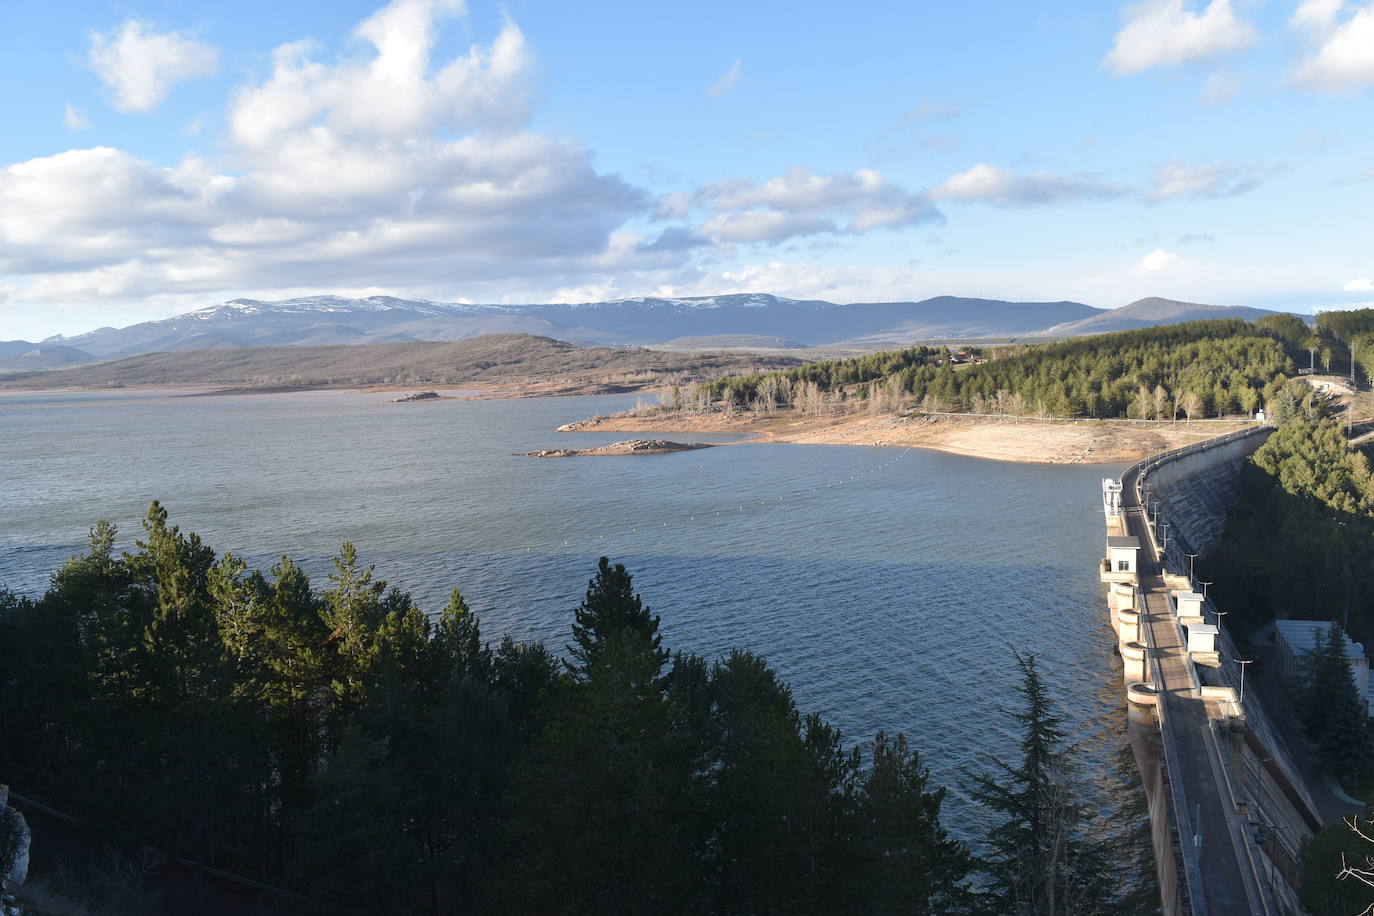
488	359
1150	311
20	355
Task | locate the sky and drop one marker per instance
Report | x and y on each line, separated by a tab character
164	155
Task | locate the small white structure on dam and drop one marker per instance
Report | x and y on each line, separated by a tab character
1122	552
1297	638
1111	497
1187	604
1202	639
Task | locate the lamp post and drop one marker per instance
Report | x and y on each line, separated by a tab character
1204	589
1191	557
1243	662
1219	615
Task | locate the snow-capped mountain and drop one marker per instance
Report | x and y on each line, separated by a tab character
638	321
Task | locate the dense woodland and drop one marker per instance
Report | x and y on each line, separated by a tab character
1300	542
341	743
1191	370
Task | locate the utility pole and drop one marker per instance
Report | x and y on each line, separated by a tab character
1243	662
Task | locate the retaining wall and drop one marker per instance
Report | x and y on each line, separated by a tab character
1191	489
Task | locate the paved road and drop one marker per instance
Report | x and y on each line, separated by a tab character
1226	877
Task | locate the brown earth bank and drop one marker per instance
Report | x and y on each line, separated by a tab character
628	447
1012	439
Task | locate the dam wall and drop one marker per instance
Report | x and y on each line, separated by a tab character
1191	490
1181	710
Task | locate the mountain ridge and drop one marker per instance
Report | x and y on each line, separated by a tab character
326	320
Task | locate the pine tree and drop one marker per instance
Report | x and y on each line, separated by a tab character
610	612
907	862
1334	715
1042	860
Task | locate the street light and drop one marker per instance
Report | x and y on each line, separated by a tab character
1243	663
1204	588
1219	615
1191	557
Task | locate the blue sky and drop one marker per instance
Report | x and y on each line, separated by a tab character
163	156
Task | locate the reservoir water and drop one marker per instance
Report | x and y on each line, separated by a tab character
888	587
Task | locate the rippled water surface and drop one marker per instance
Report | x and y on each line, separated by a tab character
887	587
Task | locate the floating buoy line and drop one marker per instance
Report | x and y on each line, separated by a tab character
794	495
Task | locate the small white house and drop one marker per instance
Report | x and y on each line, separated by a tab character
1296	638
1121	554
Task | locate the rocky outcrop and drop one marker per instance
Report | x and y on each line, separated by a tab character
628	447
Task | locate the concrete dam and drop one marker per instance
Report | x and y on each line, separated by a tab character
1230	795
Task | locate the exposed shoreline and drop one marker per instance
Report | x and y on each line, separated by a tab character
1020	440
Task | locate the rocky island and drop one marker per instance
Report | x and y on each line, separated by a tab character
628	447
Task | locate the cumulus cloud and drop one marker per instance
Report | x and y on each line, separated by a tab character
1000	187
1218	179
1343	59
802	202
1359	285
726	81
1162	33
380	168
140	66
73	118
391	91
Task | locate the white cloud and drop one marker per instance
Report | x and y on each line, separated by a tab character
73	118
1000	187
803	202
726	81
390	92
1154	262
381	168
1316	14
1218	179
1344	57
140	66
1359	285
1162	33
763	226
